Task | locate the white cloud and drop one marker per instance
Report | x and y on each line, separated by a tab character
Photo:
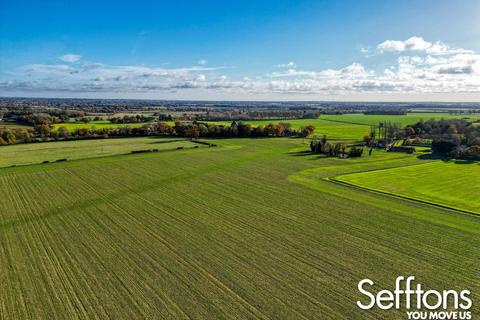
411	44
202	62
391	46
70	57
290	64
365	50
52	69
421	67
440	48
200	77
418	44
293	73
353	70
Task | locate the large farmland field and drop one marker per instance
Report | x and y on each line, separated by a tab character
35	153
452	184
334	130
338	127
251	229
100	124
404	120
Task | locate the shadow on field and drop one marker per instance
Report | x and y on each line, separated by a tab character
463	161
301	153
164	139
306	153
431	156
168	141
446	159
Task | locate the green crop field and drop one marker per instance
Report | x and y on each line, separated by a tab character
338	131
337	127
445	183
22	154
334	130
251	229
404	120
101	124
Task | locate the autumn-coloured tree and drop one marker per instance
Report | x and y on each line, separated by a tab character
63	132
308	130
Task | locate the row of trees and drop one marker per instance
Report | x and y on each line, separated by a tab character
230	115
238	129
38	116
12	136
322	146
454	137
33	116
462	111
383	134
137	118
45	132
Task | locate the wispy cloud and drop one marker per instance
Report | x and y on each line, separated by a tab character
143	33
350	71
70	57
202	62
290	64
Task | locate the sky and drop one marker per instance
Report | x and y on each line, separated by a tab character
365	50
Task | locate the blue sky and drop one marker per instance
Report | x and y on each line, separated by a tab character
254	50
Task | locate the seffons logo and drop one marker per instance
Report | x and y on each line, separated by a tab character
419	302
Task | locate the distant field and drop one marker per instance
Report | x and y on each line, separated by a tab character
338	131
94	124
331	129
134	113
79	149
404	120
445	183
12	125
337	127
248	230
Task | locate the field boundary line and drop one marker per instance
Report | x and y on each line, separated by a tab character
344	183
39	164
381	169
348	122
305	174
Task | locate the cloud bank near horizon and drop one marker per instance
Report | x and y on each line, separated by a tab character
417	67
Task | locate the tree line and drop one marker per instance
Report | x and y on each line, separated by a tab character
247	115
45	132
383	134
455	138
339	149
137	118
